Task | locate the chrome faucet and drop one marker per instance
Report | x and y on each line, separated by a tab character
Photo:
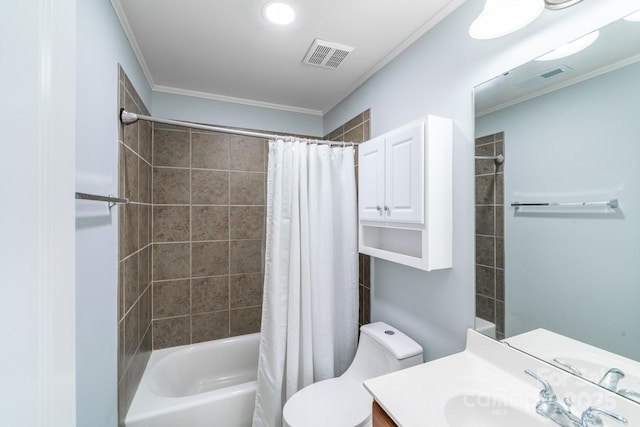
611	378
550	408
590	417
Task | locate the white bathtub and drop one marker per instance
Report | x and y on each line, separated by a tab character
206	384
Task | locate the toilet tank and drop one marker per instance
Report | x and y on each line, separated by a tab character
382	349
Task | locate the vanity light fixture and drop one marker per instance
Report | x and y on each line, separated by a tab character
571	47
501	17
279	13
634	17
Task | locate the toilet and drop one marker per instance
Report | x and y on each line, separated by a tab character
343	401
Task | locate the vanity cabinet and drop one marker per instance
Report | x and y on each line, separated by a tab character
380	417
405	194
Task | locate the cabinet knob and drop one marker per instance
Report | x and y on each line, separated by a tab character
386	208
379	209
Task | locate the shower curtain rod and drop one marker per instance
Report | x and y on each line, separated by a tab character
127	118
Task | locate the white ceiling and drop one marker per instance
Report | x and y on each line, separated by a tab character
226	50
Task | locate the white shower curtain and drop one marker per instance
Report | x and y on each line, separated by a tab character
310	304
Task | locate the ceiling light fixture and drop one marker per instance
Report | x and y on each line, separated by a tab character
634	17
571	47
279	13
501	17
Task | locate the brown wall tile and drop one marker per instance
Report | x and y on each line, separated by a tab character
209	294
210	223
247	222
134	261
171	261
209	258
245	290
131	175
171	298
171	223
171	332
485	220
171	186
130	229
247	188
245	256
246	154
144	225
145	148
144	181
130	281
210	326
209	187
171	148
489	232
245	320
210	150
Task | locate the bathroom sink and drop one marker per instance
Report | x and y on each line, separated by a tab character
478	410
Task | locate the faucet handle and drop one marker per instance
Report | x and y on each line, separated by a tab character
547	393
590	417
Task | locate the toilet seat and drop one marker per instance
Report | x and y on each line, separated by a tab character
339	402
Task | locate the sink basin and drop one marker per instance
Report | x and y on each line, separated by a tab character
477	410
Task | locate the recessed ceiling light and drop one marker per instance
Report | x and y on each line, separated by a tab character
571	47
279	13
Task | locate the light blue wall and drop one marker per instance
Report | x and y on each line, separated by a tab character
208	111
436	75
101	45
573	272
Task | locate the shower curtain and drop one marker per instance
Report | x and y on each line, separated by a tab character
310	304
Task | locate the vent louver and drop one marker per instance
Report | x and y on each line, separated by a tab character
326	54
539	79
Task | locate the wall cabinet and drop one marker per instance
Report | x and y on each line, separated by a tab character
391	172
405	194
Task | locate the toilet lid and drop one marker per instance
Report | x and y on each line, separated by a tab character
339	402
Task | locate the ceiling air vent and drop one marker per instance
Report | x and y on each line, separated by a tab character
539	79
326	54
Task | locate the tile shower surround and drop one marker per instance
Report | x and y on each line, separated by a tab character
489	216
134	246
191	240
208	219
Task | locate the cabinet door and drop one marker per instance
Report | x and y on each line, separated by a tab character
404	192
380	418
371	179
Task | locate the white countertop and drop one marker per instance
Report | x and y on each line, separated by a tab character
488	378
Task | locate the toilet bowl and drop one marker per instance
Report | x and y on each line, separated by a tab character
343	401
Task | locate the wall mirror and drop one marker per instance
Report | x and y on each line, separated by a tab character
562	278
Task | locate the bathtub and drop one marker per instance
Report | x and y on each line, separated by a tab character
205	384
